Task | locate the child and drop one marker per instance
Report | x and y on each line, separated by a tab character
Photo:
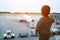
44	24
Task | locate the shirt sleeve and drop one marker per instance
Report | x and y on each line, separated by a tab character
52	20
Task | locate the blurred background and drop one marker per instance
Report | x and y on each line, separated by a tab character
21	16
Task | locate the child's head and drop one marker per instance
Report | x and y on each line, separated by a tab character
45	10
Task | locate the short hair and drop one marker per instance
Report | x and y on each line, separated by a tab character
45	10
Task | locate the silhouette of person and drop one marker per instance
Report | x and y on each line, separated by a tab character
44	24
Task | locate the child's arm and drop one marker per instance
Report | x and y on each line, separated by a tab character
39	26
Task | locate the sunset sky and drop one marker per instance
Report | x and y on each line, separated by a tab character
28	5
